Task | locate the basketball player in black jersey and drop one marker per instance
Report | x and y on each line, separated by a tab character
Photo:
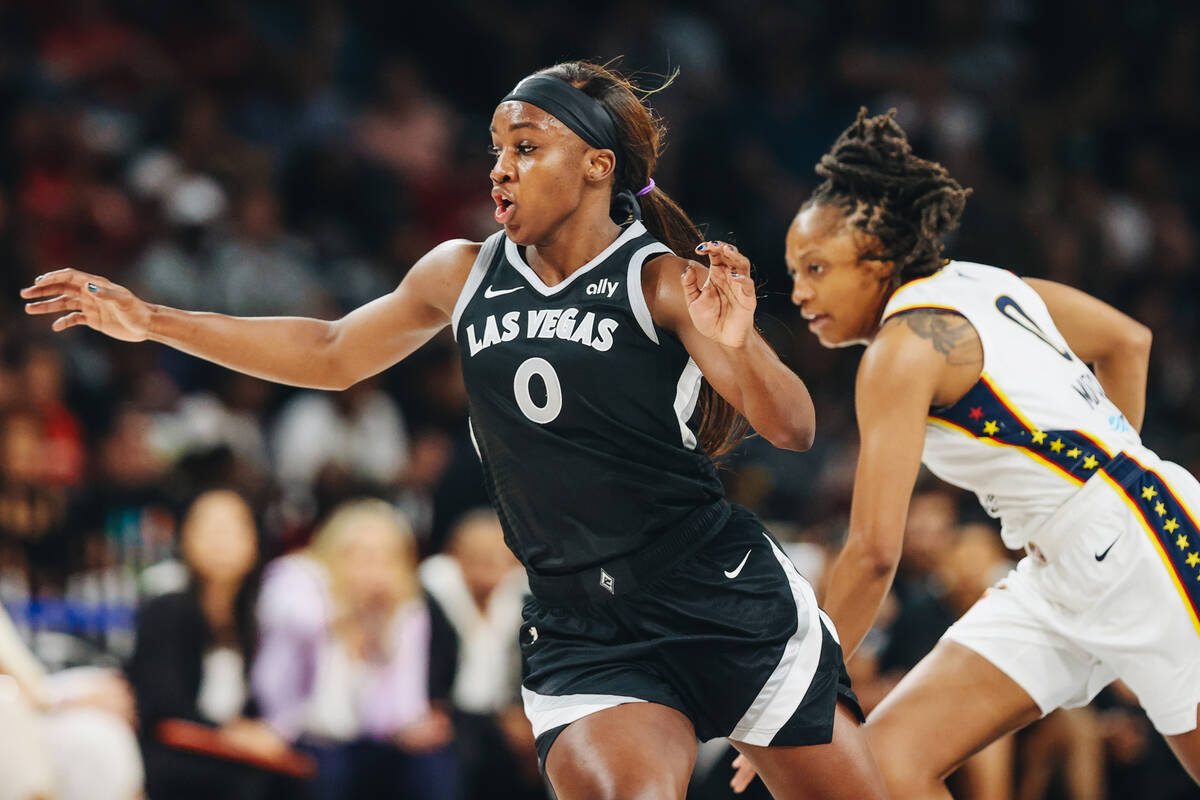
660	612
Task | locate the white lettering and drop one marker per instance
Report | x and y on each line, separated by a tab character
566	324
512	326
583	331
535	322
491	334
604	332
472	341
550	323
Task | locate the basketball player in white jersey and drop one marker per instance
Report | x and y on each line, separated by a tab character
984	377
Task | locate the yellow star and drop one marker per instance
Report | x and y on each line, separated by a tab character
1171	525
1039	437
1159	508
1057	445
1074	452
1182	542
990	428
1090	462
1193	559
1149	492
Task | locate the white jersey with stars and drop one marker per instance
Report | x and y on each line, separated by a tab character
1037	424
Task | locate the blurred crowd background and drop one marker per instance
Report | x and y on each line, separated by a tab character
343	623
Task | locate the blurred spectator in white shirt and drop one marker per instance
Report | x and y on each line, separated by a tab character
481	587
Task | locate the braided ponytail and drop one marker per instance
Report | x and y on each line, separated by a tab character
908	203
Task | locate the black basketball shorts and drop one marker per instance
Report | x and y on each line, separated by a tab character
730	635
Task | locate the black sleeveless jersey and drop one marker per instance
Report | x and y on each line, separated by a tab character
580	406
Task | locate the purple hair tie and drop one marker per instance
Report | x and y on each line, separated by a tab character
649	187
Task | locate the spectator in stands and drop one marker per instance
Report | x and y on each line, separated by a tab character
481	587
192	659
346	659
66	736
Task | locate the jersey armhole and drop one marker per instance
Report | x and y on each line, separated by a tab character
474	278
923	307
633	282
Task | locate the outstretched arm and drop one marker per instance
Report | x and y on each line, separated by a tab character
897	383
298	351
712	312
1116	345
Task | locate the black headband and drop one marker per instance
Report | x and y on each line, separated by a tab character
579	111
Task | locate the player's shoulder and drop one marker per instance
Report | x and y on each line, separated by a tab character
452	254
440	276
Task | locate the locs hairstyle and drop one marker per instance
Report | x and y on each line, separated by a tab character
908	203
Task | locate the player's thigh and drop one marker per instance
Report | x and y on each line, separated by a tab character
843	769
635	751
950	706
1186	747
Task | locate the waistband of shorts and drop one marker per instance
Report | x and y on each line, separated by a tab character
621	576
1045	544
1124	470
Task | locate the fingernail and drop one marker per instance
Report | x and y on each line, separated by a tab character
735	274
700	248
38	278
93	288
731	248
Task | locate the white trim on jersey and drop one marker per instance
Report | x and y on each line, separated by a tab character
633	286
547	712
781	695
474	278
635	229
687	394
474	441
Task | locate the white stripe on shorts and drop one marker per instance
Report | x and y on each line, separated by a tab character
780	696
547	711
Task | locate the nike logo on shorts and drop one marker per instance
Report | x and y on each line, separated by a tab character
731	574
489	292
1102	556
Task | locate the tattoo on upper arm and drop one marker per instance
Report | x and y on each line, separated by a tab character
950	334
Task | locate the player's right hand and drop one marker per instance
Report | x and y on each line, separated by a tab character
83	299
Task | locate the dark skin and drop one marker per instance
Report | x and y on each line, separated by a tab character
553	193
955	702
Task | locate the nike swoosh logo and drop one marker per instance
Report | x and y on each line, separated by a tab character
1102	556
731	574
489	292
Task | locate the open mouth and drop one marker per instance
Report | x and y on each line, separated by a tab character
504	208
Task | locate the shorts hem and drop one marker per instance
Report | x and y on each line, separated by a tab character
788	737
1175	723
977	647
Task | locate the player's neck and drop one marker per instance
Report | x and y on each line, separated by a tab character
577	241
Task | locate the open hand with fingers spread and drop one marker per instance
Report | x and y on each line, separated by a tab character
723	307
83	299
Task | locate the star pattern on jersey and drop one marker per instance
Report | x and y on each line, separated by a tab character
1171	525
1182	542
976	413
1038	437
1149	493
1057	445
1090	462
1159	508
1193	559
990	428
1074	452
